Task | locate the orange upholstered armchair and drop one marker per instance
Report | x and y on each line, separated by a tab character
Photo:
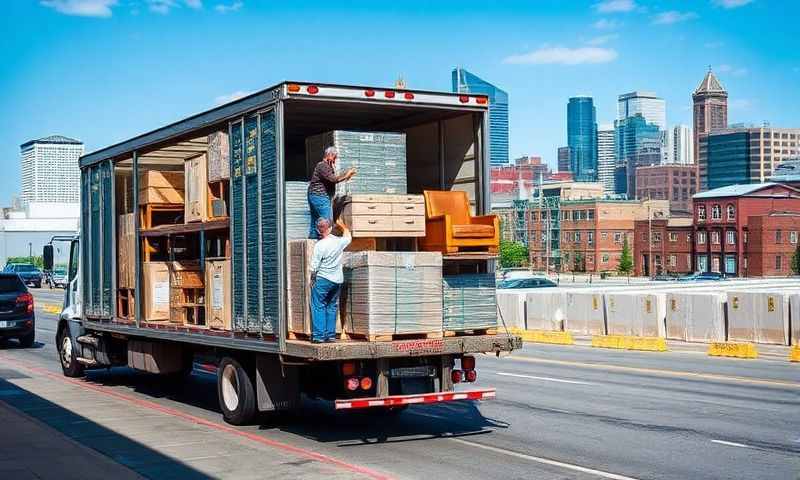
449	227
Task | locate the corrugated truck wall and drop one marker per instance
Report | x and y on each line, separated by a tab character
237	225
270	218
251	211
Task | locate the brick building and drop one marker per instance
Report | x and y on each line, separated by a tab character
722	228
671	249
676	183
586	234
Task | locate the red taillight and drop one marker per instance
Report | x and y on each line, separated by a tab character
312	89
468	363
351	384
293	88
27	299
366	383
388	94
348	368
482	100
471	375
457	376
369	93
408	96
463	98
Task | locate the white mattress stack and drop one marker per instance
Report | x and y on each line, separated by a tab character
298	217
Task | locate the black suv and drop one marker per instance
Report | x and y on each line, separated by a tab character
17	319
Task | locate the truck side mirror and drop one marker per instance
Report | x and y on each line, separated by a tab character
47	258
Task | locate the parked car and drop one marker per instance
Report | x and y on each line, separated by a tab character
57	278
702	276
17	318
29	274
532	282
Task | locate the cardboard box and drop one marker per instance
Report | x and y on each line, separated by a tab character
196	188
219	157
218	293
126	259
155	287
388	293
161	187
299	292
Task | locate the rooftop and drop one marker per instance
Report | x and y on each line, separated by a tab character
53	139
739	190
710	84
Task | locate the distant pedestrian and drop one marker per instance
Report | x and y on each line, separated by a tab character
322	188
327	275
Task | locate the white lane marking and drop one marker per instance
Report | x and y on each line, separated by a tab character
546	461
731	444
546	379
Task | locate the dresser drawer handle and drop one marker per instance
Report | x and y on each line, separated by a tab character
372	222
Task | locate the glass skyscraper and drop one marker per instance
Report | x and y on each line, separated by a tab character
651	107
582	138
466	82
637	143
606	160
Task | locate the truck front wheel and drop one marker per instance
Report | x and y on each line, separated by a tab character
67	354
237	398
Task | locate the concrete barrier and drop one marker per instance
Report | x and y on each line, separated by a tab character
695	316
544	309
511	310
732	349
585	313
794	318
639	314
760	316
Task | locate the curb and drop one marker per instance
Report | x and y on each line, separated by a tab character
628	342
544	336
732	349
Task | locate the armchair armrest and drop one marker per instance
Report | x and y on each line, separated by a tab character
438	218
483	220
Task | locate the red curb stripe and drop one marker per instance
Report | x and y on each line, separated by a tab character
217	426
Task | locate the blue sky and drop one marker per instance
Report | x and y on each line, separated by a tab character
104	70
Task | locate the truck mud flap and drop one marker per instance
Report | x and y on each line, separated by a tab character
398	400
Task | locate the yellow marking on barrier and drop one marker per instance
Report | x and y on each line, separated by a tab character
732	349
544	336
629	342
794	354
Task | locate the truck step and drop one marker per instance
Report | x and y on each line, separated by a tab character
86	361
89	340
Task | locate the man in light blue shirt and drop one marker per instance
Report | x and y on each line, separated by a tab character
326	268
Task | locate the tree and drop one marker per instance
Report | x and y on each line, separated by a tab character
35	260
580	264
796	260
625	260
513	254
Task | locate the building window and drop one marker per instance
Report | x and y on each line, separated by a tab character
793	238
617	237
656	237
715	238
744	263
604	258
567	215
778	262
673	261
778	236
689	237
716	212
589	214
644	236
730	237
731	212
701	238
577	215
744	236
577	237
590	258
673	237
701	213
689	261
604	235
590	238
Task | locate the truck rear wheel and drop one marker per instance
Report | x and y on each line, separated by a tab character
237	398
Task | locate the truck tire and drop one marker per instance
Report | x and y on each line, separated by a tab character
28	340
237	397
67	356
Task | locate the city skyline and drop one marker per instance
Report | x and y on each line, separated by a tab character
109	90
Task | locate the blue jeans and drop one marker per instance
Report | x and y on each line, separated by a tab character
324	304
320	206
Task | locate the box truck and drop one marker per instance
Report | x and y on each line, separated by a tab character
183	249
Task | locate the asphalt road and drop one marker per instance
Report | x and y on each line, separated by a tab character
561	412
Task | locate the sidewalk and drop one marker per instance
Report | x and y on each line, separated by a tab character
30	449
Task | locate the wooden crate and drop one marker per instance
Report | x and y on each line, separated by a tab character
187	293
126	308
196	188
299	291
218	156
157	186
218	293
126	258
155	289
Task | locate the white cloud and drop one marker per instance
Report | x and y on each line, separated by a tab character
602	39
196	4
673	16
230	7
606	24
610	6
732	3
563	56
231	96
82	8
164	6
735	71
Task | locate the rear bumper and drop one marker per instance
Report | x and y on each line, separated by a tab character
398	400
20	329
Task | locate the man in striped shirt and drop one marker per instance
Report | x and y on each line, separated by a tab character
322	188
